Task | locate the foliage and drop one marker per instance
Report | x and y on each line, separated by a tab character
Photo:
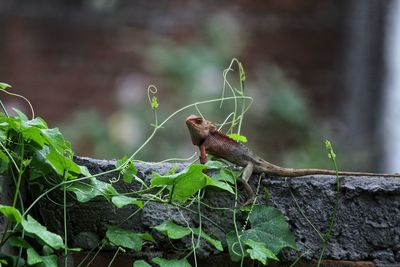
122	200
186	183
141	263
32	151
124	238
171	263
175	231
238	137
128	170
4	85
33	229
268	235
332	219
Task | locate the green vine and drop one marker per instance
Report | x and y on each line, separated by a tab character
332	219
32	153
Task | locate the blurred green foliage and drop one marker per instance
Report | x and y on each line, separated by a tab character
279	126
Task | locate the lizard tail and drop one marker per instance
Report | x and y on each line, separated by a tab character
272	169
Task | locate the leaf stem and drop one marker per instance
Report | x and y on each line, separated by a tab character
238	235
20	172
332	156
65	225
24	98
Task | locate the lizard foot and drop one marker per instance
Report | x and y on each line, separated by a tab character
248	201
249	192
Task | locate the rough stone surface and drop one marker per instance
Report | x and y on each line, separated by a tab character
368	219
367	226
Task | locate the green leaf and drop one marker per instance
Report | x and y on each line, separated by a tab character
87	191
234	247
172	230
273	226
268	226
129	170
55	138
141	263
171	263
33	257
57	152
258	251
154	103
34	228
47	251
18	242
124	238
186	183
12	260
38	123
38	168
20	114
214	164
84	171
30	129
172	170
121	201
273	242
11	213
50	261
4	161
63	166
50	152
5	86
262	213
175	231
238	137
147	237
224	177
216	243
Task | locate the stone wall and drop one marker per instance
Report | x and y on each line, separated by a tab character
367	227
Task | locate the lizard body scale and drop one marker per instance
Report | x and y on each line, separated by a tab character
206	136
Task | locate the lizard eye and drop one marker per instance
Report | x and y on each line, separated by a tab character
198	121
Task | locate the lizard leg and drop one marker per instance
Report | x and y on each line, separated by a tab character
248	170
203	154
249	192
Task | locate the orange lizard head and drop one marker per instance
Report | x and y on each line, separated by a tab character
199	129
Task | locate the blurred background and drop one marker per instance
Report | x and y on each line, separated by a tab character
316	69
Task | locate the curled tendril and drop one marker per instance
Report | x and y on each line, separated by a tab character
233	249
114	180
24	98
151	93
237	118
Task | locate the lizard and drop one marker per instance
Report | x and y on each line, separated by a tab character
209	139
